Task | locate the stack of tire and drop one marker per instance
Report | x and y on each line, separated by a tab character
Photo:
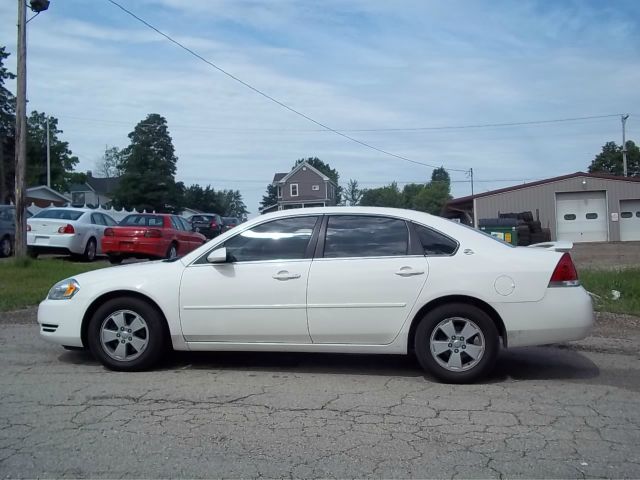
530	231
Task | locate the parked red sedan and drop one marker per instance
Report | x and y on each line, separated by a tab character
150	236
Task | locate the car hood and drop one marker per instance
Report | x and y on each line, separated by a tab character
132	275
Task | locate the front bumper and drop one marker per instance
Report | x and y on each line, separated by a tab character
60	321
563	314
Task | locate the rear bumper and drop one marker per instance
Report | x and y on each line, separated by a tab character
564	314
62	243
133	247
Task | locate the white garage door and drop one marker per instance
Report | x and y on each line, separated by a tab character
582	216
629	220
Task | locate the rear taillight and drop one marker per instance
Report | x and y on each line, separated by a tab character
28	227
153	233
214	225
108	232
565	274
67	229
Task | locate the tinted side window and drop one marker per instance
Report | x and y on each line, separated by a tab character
176	223
435	243
96	219
185	224
109	221
363	236
285	239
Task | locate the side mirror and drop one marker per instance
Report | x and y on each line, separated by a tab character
219	255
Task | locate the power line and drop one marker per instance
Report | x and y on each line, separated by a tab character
363	130
486	125
269	97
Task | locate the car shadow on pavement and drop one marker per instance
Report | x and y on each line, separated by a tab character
543	363
529	363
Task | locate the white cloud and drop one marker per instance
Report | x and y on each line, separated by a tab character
358	65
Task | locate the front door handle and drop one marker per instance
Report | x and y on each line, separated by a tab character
409	272
284	275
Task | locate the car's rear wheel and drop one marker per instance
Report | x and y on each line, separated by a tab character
32	252
90	250
173	251
115	259
126	334
457	343
5	247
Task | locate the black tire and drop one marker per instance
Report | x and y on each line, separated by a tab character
471	370
6	247
32	252
172	252
154	334
115	259
90	250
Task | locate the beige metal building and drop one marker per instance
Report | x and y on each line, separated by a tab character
580	207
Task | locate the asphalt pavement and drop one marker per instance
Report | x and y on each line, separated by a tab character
568	411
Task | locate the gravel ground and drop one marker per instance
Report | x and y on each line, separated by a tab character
566	411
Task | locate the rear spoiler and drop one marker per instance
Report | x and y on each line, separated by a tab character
557	246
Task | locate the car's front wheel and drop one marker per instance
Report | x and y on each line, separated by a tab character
126	334
457	343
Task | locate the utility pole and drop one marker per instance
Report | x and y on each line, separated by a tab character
473	202
48	156
624	144
21	132
36	6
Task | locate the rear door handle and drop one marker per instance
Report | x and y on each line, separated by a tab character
409	272
284	275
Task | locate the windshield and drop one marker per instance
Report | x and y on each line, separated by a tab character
59	214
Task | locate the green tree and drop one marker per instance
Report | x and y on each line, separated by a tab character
7	130
389	196
609	160
270	197
231	204
352	194
62	159
109	165
149	166
326	169
440	175
432	198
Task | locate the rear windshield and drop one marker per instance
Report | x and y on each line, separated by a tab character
230	219
59	214
143	221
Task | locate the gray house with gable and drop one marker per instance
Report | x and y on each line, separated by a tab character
303	187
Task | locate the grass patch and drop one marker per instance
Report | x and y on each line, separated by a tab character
25	282
601	282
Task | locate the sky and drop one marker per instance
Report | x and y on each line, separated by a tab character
351	65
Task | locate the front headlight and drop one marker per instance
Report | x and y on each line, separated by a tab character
64	290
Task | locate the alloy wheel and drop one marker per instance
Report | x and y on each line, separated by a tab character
124	335
457	344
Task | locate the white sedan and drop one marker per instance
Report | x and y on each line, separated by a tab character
69	231
337	279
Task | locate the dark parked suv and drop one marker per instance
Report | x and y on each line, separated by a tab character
7	229
229	223
208	224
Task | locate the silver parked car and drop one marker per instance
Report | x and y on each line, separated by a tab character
7	229
68	231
